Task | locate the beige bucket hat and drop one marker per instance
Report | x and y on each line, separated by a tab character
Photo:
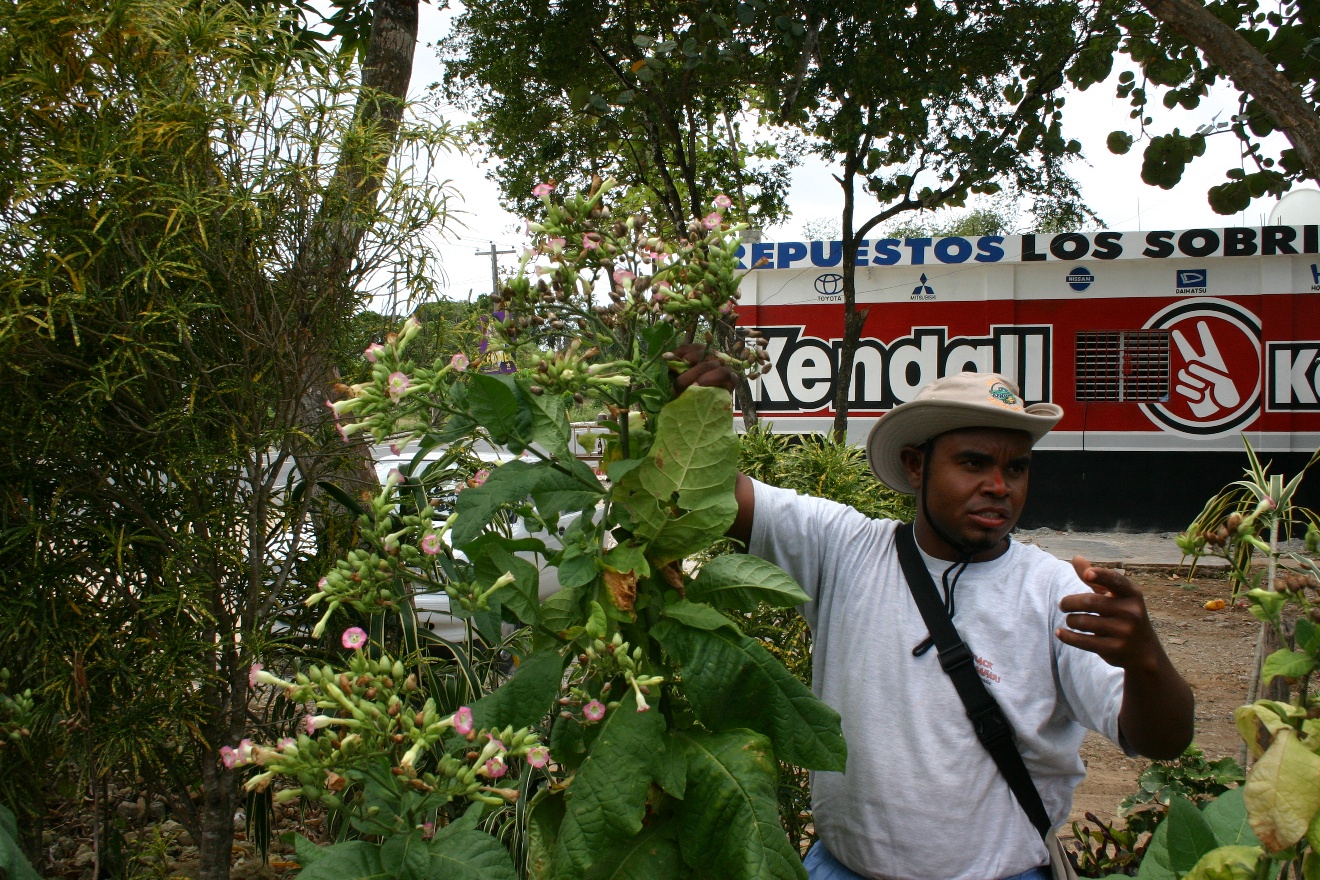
966	400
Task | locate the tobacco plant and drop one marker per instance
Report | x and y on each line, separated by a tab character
666	722
1271	825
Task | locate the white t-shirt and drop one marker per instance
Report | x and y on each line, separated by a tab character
921	798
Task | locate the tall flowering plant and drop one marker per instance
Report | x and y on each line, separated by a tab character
666	723
1271	825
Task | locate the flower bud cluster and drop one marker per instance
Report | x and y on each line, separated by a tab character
473	597
689	282
15	713
392	404
365	578
571	370
369	710
613	658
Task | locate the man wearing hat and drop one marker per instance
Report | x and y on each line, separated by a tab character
1061	648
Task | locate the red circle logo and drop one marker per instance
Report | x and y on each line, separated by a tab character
1214	367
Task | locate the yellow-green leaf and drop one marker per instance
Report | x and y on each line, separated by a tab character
1227	863
1283	792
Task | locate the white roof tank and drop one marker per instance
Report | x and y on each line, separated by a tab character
1297	208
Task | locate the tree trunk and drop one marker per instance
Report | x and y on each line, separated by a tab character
1251	71
326	255
852	319
216	820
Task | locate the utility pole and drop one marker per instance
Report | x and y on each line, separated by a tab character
495	266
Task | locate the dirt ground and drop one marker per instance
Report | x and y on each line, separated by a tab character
1212	649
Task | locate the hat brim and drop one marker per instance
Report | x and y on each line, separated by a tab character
914	423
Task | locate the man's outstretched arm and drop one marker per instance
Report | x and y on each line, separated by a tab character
1157	716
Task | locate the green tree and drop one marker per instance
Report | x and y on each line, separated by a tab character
168	174
1269	53
650	94
922	105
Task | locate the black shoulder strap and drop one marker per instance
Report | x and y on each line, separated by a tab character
992	728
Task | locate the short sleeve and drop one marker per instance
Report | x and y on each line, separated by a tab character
810	538
1092	690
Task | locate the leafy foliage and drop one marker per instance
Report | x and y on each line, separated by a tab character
1191	777
161	331
651	94
671	722
1285	34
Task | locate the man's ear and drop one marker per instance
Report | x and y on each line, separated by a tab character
912	460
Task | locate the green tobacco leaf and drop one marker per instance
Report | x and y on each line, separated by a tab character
1289	664
1155	864
13	864
520	597
527	697
681	497
742	582
1190	836
507	484
1227	863
1227	817
730	817
544	817
494	404
353	860
405	856
470	855
1307	635
651	855
732	682
1283	792
698	615
559	492
607	797
671	768
564	609
550	426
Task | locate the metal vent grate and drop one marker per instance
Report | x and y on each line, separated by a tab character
1123	365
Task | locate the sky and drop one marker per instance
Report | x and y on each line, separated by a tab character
1111	185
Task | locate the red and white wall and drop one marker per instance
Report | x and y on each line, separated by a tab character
1206	335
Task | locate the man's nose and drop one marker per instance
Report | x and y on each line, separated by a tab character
994	483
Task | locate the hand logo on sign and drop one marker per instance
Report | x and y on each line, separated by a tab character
1204	381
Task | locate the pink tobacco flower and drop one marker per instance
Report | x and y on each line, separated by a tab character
460	362
555	244
431	544
228	757
722	201
594	710
623	276
590	241
373	351
712	220
252	674
354	637
541	190
495	768
399	383
538	756
478	478
463	720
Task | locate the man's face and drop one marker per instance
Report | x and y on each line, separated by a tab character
976	486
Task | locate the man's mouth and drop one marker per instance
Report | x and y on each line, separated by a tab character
989	517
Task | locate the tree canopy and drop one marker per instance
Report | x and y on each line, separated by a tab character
1269	53
652	94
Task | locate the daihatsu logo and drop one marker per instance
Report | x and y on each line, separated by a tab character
1191	280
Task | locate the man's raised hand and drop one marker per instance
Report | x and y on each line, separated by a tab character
704	368
1111	620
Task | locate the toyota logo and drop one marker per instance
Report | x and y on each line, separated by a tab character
829	284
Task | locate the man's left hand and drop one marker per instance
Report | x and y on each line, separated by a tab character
1158	709
1111	620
